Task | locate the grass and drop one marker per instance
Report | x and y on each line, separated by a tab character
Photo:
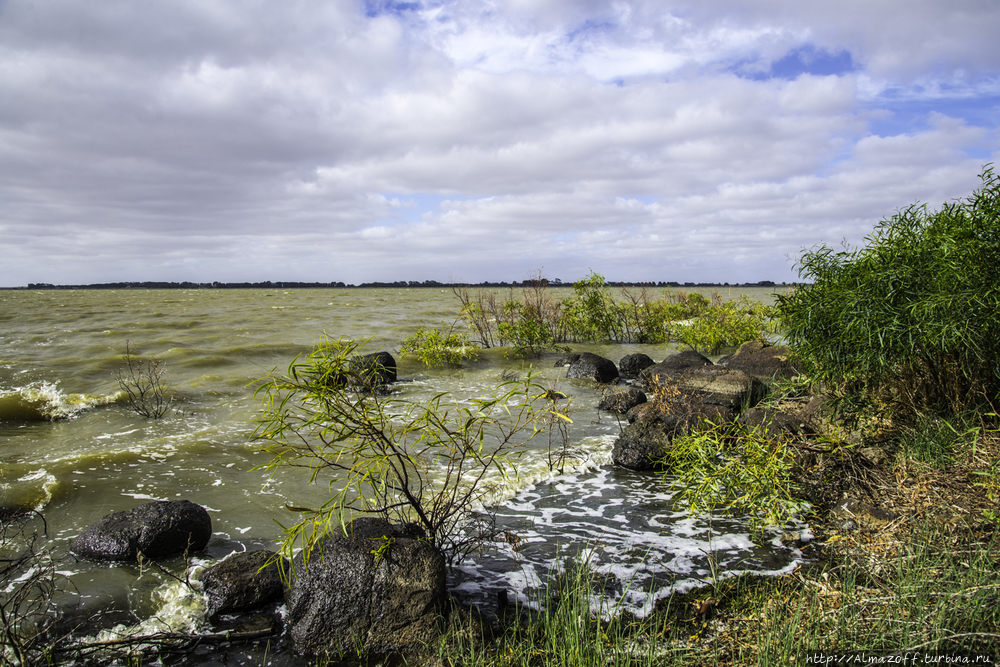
932	594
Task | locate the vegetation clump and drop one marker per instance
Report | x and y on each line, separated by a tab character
434	464
143	386
534	321
435	349
908	325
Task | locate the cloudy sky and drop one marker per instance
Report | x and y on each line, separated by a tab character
345	140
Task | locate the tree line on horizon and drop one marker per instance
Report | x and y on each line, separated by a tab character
544	282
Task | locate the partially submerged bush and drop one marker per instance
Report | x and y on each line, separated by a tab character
533	321
909	324
723	325
142	383
434	464
435	348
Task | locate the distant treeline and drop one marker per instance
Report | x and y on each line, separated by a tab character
399	283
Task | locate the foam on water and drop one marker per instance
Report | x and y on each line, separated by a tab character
624	527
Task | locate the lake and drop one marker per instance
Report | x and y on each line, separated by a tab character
72	449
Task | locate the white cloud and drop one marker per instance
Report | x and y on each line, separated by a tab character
307	141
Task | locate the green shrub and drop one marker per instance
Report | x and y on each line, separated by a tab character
736	468
434	348
592	314
908	325
725	325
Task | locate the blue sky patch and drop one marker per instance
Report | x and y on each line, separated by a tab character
806	59
415	205
373	9
913	116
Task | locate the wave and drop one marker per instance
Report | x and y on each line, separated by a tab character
33	489
44	401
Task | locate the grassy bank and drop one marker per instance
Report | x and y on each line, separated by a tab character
907	566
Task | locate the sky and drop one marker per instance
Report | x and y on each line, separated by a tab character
478	140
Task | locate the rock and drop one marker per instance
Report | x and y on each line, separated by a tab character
763	361
374	370
632	364
718	385
643	442
11	512
566	361
774	423
653	426
593	367
724	386
348	598
621	399
156	530
242	582
671	368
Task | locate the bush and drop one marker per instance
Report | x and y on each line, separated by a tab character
908	325
433	464
736	468
434	348
725	325
142	382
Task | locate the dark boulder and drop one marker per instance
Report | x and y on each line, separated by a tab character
632	364
378	590
593	367
374	370
621	399
643	442
159	529
242	582
566	361
653	426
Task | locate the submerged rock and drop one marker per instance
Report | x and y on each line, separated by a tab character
375	370
159	529
621	399
378	590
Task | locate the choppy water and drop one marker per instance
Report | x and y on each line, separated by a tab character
70	447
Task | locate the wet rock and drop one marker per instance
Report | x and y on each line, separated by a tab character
159	529
11	512
374	370
593	367
242	582
351	598
653	426
566	361
644	442
631	365
621	399
671	368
